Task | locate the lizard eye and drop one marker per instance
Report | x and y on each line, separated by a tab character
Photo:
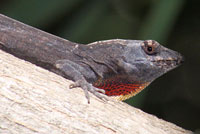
149	47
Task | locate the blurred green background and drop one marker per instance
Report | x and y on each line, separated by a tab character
174	97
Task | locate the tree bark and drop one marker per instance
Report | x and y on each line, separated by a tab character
34	100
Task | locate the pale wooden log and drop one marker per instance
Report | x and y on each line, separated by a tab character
34	100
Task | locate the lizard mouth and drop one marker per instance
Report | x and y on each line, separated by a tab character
169	62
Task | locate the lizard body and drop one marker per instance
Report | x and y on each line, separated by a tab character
118	68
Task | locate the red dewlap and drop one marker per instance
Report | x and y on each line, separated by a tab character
121	88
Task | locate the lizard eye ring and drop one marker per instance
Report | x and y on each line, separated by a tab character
149	47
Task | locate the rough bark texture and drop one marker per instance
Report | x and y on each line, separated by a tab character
34	100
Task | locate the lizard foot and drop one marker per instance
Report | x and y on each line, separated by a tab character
87	87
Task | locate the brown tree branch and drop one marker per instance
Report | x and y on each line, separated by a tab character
34	100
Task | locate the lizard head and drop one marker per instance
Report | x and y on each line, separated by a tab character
148	60
138	63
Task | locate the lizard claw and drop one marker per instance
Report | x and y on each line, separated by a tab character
87	87
73	86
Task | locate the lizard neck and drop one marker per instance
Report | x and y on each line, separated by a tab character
120	88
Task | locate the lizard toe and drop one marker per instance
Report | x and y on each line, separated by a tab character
87	95
73	86
76	84
88	87
97	92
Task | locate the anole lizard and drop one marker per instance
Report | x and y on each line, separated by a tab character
119	68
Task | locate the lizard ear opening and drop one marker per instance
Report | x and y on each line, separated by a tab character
149	47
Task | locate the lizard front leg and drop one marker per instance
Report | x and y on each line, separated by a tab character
74	71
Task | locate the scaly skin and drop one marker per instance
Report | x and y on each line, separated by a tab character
119	68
